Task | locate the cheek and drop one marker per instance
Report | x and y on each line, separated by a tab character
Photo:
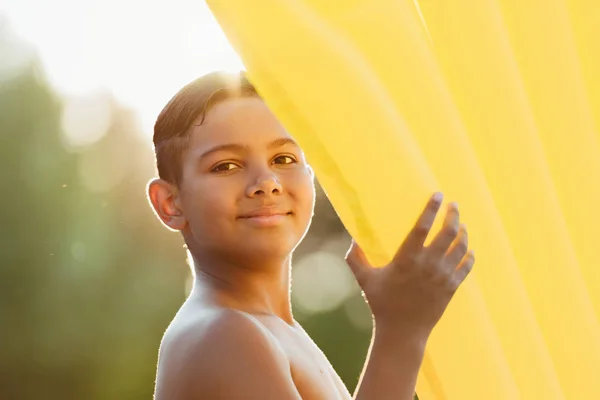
305	196
210	211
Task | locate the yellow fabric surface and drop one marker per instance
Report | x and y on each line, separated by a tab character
495	103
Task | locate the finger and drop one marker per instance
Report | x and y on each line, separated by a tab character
358	263
458	248
444	238
465	266
416	237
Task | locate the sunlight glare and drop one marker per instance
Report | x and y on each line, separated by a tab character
142	52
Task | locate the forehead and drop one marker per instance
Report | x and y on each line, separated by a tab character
246	121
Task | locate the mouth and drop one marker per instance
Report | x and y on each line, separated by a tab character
265	215
266	219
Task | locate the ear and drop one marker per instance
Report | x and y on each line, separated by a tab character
163	197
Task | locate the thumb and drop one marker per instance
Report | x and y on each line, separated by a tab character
358	263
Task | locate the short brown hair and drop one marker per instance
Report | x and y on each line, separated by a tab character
193	101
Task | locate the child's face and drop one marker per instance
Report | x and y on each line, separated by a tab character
253	197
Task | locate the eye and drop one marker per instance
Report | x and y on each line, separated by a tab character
284	160
224	167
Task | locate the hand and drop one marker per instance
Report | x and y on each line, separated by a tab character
412	292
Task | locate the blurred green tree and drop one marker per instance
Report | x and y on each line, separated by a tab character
88	279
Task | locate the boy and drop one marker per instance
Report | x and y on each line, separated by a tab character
239	190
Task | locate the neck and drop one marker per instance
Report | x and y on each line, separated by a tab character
256	288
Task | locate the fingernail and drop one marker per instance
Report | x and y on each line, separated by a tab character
437	197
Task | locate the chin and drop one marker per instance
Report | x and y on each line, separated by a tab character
275	247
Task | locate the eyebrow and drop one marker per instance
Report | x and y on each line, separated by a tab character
275	144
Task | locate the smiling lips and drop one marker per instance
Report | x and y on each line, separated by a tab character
266	217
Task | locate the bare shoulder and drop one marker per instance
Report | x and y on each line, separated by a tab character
221	353
215	329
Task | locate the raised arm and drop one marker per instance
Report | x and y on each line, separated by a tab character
407	298
231	357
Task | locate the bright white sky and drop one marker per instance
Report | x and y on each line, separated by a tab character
142	51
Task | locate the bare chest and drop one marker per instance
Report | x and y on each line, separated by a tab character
314	377
312	373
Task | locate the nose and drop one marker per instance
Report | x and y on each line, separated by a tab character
265	185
